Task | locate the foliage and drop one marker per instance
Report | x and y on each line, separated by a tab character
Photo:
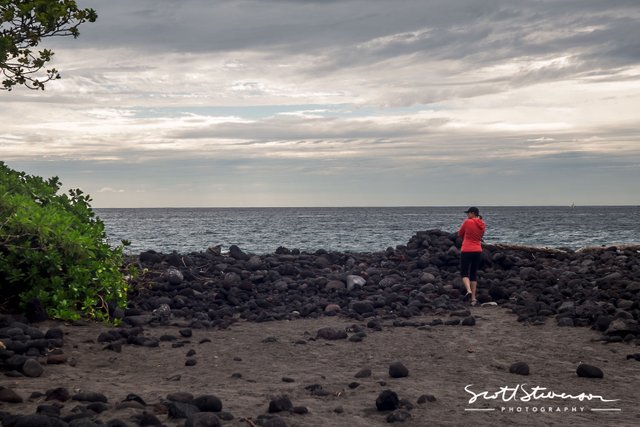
23	24
54	248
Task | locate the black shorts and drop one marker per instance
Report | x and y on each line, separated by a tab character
469	263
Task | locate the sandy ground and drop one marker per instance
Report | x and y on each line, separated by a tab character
441	362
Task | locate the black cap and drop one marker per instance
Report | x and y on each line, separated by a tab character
473	209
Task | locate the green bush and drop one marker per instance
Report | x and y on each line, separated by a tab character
54	248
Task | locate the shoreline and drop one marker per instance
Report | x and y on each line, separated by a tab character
291	330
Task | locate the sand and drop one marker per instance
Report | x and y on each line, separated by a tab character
441	362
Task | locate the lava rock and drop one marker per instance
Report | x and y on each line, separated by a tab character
363	373
32	368
398	370
399	415
332	334
9	396
279	404
589	371
208	403
519	368
203	419
387	400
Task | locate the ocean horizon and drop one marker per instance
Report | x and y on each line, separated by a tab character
262	230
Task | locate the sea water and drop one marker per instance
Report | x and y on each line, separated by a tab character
367	229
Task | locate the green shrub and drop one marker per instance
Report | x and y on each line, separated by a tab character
54	248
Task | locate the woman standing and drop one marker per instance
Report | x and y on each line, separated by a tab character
471	232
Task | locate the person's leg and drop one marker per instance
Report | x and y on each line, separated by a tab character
465	265
473	274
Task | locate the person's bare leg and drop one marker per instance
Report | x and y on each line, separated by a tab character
467	284
474	287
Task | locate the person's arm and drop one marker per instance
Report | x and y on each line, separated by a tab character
462	230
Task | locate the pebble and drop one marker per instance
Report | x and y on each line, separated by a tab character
9	396
32	368
208	403
519	368
203	419
589	371
387	400
279	404
398	370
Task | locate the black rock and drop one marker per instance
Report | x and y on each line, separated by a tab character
300	410
398	370
146	419
469	321
33	421
32	368
519	368
589	371
426	398
354	385
362	307
190	362
116	423
181	410
635	356
363	373
98	407
208	403
565	321
398	416
60	394
279	404
332	334
203	419
387	401
134	398
237	253
186	333
9	396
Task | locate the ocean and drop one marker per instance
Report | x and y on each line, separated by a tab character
367	229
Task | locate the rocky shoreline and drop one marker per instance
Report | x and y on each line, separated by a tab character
598	287
178	297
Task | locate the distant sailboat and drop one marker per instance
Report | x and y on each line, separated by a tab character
573	205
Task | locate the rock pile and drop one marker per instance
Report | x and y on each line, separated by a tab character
597	287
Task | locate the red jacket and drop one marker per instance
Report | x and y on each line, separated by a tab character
472	231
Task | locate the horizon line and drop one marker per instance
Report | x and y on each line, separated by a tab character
367	206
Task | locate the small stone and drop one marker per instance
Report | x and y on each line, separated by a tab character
203	419
519	368
469	321
190	362
58	359
32	368
9	396
398	416
387	401
300	410
60	394
398	370
146	419
208	403
565	322
426	398
589	371
363	373
354	385
332	334
134	398
279	404
187	333
181	410
338	409
288	380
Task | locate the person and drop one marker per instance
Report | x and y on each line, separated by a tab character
471	232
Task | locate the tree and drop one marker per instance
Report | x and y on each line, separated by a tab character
23	24
53	248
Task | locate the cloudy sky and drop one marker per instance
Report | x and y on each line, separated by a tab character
339	103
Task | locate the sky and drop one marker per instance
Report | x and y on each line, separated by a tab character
233	103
